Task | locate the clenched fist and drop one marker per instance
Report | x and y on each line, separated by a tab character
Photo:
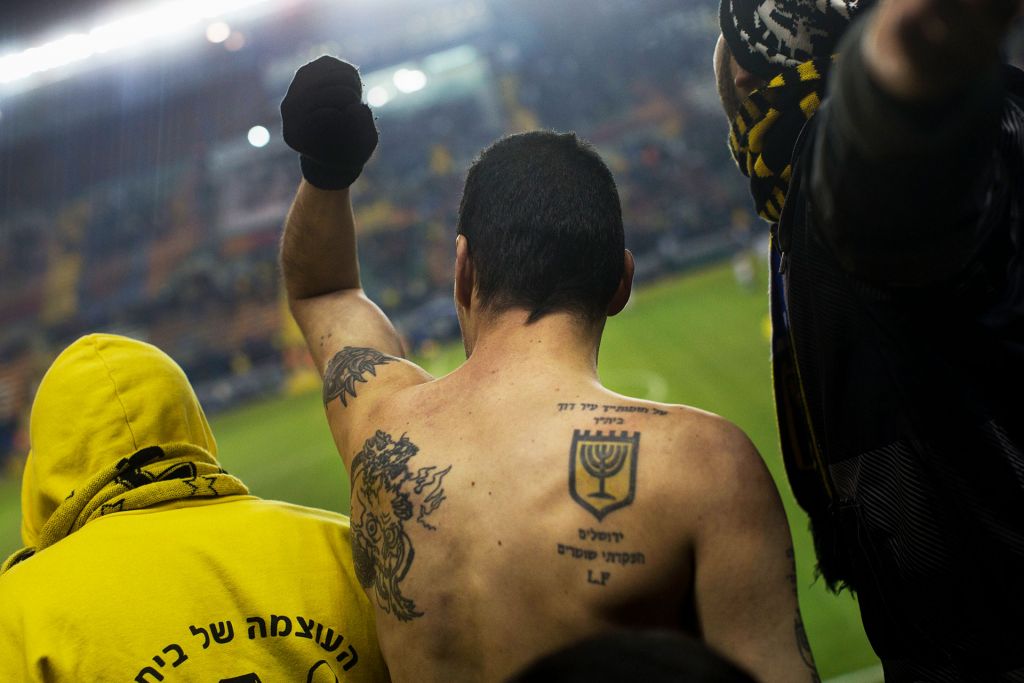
326	122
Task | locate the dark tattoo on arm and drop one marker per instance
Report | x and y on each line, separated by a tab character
805	648
386	494
798	626
349	366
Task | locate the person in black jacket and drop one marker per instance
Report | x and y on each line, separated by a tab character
896	196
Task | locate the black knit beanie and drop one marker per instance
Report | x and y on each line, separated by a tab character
767	36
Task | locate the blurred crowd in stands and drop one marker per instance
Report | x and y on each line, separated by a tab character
178	244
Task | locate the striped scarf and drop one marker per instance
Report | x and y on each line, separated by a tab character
154	475
766	128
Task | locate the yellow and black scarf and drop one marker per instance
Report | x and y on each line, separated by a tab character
764	132
154	475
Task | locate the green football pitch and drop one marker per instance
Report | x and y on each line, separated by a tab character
698	339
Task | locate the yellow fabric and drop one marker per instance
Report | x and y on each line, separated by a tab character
762	135
810	104
808	71
268	588
154	475
103	399
136	578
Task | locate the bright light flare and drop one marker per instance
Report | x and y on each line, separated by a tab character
378	96
218	32
57	53
409	80
259	136
162	22
235	42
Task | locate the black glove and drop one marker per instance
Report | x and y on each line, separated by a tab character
325	121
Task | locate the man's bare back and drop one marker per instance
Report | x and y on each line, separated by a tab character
516	505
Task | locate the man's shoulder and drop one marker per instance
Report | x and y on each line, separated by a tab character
284	518
240	509
107	534
705	430
708	453
303	513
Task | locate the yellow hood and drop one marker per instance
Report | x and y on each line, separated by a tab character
104	398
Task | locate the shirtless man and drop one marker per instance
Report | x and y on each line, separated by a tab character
515	505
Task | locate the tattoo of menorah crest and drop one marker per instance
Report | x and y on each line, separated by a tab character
603	460
602	470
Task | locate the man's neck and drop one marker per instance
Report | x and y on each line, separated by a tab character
557	343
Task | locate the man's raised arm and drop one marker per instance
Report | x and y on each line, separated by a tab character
903	178
325	121
355	347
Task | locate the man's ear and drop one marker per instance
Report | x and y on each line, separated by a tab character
465	275
625	287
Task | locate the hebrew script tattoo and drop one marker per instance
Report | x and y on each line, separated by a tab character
805	648
798	625
349	366
386	494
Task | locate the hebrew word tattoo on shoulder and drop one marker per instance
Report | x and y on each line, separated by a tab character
386	494
350	365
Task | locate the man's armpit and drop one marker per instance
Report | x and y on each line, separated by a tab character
348	367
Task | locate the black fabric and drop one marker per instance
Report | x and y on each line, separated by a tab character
761	136
901	413
928	165
325	121
628	656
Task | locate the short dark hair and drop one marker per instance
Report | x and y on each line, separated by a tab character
541	214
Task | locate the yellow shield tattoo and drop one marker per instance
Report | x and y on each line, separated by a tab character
602	470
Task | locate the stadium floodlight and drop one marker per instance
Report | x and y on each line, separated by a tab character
160	23
218	32
378	96
409	80
66	50
259	136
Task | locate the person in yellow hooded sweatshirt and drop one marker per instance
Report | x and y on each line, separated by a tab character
147	562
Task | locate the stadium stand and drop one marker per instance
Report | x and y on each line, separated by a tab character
138	206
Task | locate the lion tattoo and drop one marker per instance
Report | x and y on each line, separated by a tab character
386	494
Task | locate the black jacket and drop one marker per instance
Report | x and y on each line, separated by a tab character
898	361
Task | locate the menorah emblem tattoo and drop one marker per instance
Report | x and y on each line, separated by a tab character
602	470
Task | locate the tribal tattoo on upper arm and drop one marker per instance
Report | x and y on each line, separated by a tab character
386	494
349	366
